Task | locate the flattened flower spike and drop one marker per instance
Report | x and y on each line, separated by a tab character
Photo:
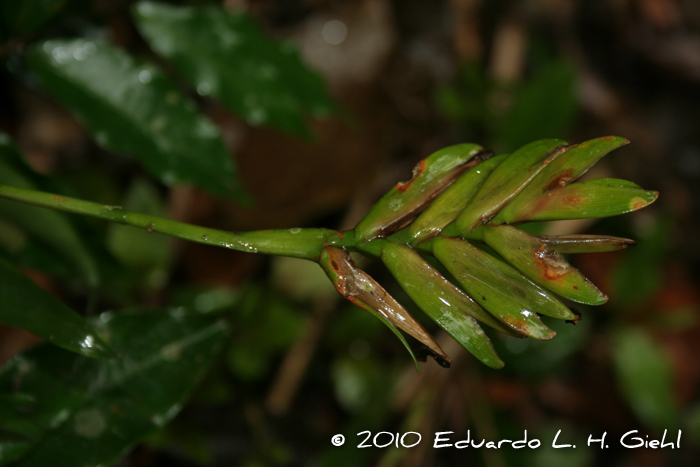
461	206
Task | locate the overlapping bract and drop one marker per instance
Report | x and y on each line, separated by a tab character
459	199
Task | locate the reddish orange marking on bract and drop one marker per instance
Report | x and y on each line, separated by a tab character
572	200
417	172
335	266
60	198
551	268
519	324
576	287
639	203
541	203
561	180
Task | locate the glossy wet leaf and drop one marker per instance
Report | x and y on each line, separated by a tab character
224	54
402	204
444	303
25	305
645	377
48	226
26	16
91	412
500	289
581	243
544	266
603	197
132	108
450	203
358	287
507	180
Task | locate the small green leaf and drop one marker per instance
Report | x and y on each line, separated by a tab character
406	200
452	201
91	412
225	55
23	304
507	180
538	262
132	108
48	226
645	378
444	303
603	197
500	289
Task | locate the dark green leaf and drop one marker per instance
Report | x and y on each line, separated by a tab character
48	226
132	108
444	303
225	55
23	304
91	412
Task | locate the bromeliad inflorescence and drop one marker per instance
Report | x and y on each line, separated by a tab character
459	200
463	197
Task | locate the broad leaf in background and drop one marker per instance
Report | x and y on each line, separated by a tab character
225	55
645	378
48	226
133	109
88	412
23	304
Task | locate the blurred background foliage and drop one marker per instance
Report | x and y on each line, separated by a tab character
205	112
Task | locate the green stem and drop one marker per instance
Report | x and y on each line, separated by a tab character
297	243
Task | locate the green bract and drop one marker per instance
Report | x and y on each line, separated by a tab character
475	202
